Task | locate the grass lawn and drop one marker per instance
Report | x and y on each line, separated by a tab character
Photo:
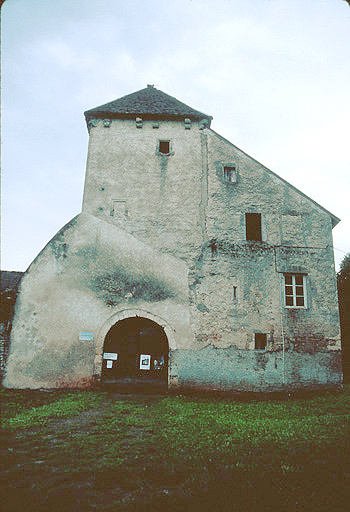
96	450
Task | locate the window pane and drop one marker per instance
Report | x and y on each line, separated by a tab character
300	301
288	279
299	280
299	290
289	301
289	290
229	173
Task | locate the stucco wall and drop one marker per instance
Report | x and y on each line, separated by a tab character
88	272
160	196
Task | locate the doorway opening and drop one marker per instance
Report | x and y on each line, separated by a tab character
135	350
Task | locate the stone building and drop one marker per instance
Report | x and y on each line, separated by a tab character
190	264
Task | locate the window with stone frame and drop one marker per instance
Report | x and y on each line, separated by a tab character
295	290
260	341
230	174
253	227
164	147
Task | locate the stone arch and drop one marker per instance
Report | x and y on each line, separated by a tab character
117	317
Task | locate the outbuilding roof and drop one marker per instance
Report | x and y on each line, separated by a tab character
148	103
9	280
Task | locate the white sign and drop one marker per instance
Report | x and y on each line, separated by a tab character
109	364
86	336
145	362
110	355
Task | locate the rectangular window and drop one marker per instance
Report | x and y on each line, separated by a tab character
230	175
119	209
260	341
164	147
253	226
295	290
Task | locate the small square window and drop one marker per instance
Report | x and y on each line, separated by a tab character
260	341
164	147
119	209
230	174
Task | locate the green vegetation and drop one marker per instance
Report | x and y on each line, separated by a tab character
178	451
27	411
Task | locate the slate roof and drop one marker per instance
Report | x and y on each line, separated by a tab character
148	103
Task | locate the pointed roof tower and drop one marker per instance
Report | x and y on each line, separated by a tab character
148	103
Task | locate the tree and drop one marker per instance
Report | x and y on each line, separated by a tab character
343	278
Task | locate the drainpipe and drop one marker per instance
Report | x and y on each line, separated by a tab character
282	330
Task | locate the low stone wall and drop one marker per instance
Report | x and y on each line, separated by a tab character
9	282
4	346
232	369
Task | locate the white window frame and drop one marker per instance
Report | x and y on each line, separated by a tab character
294	291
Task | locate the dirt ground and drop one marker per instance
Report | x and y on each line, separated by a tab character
30	481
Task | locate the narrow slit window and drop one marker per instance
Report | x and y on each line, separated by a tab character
164	147
253	227
234	295
295	290
260	341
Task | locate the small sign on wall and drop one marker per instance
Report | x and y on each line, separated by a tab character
145	362
110	355
86	336
109	364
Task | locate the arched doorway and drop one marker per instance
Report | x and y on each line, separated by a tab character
135	349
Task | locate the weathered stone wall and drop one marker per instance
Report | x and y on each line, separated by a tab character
237	285
233	369
166	235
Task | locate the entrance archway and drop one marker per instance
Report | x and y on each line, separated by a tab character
135	348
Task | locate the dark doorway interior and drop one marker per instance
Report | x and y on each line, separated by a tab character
135	348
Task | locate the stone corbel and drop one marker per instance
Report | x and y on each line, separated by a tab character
92	123
187	123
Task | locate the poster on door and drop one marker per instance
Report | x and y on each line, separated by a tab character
145	362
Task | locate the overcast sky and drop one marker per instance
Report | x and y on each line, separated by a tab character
274	74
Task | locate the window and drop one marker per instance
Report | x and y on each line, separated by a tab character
260	341
295	290
164	147
253	226
230	174
119	209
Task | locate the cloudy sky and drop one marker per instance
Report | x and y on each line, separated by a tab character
274	74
